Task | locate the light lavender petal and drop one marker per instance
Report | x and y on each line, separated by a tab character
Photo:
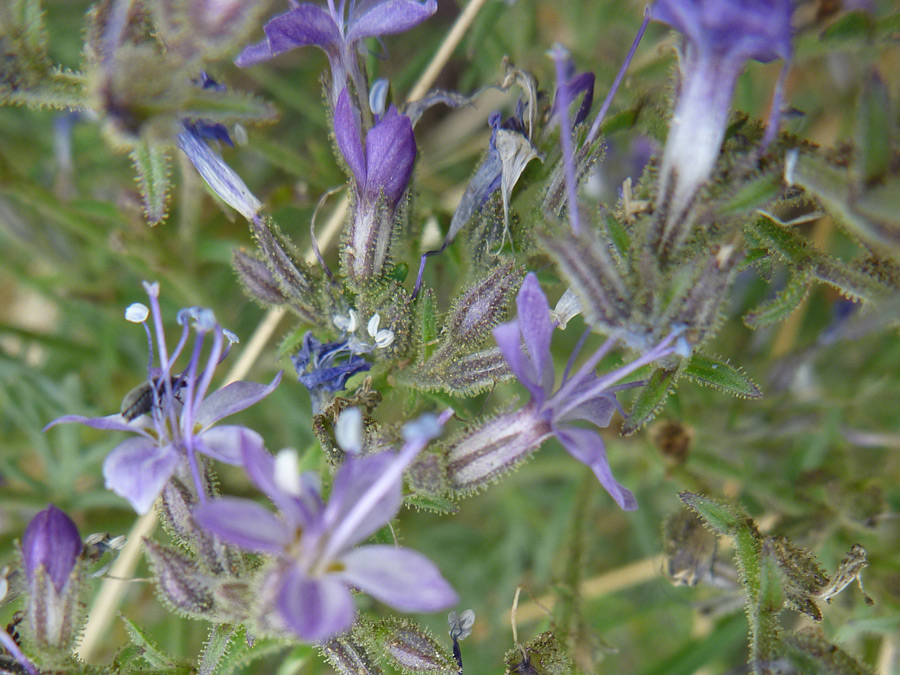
353	479
587	447
307	24
597	411
245	524
537	329
399	577
224	442
388	18
509	339
233	398
110	422
315	609
346	133
137	470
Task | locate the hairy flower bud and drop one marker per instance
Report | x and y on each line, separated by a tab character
412	649
51	552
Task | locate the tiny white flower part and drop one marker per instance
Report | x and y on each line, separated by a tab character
231	337
569	306
383	337
348	324
348	432
287	472
790	163
372	328
137	312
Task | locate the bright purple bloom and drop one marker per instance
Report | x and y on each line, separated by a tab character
318	559
171	414
505	440
383	166
721	36
51	541
337	31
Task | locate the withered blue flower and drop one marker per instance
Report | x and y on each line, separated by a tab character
315	545
336	30
324	367
720	37
170	413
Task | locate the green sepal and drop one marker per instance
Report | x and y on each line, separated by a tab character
771	596
431	503
720	375
146	649
409	648
721	518
754	194
151	162
807	652
873	129
650	400
228	649
783	304
58	89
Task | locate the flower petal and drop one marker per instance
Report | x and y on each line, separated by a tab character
353	479
390	153
315	609
231	399
388	18
598	411
245	524
137	469
399	577
587	447
537	329
346	132
110	422
509	339
307	24
224	442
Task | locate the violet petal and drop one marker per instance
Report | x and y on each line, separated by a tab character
390	153
109	423
509	339
315	609
224	442
306	24
137	469
245	524
231	399
353	479
51	540
587	447
346	132
598	411
399	577
388	18
537	329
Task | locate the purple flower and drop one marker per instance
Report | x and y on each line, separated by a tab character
171	414
51	541
315	545
583	397
324	368
336	31
721	36
383	166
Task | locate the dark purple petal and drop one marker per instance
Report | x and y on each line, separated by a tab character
509	339
304	25
390	153
537	329
587	447
224	443
110	422
137	470
315	609
260	468
51	541
598	411
353	479
231	399
399	577
388	18
346	132
245	524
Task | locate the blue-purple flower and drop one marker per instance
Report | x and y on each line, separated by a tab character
171	414
324	367
336	30
315	546
382	167
720	37
51	551
482	455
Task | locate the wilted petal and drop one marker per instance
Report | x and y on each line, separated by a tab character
388	18
137	470
224	443
245	524
537	329
231	399
110	422
399	577
307	24
346	132
390	153
587	447
315	609
353	479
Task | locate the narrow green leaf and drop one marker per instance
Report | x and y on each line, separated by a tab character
148	650
754	194
651	399
722	518
873	129
721	375
778	308
151	162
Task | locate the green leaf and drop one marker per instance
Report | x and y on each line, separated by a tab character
778	308
754	194
873	129
721	375
431	503
721	518
149	651
234	650
151	161
651	399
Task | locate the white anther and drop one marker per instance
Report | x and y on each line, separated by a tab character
136	312
348	432
287	472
